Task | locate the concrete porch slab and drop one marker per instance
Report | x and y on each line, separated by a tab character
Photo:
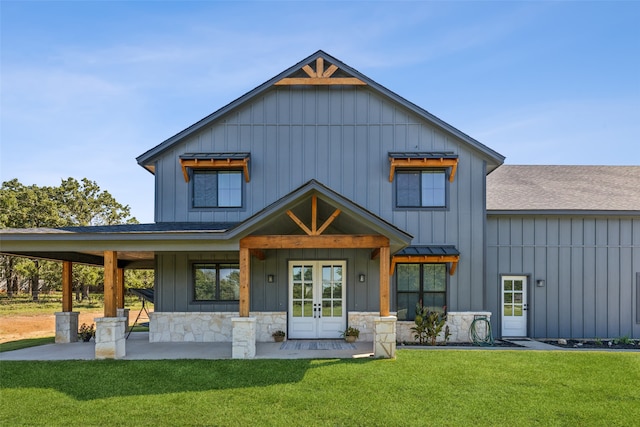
139	348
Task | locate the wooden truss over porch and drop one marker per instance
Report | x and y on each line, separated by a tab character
313	239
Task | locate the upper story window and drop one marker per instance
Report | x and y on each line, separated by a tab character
216	178
217	189
421	178
421	189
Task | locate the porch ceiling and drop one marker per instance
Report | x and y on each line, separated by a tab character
126	259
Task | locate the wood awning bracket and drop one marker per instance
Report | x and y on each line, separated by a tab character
320	77
425	259
425	162
242	164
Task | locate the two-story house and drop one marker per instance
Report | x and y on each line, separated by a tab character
317	201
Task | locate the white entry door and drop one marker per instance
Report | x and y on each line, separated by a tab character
514	306
317	299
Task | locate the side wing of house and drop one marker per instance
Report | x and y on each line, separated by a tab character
563	251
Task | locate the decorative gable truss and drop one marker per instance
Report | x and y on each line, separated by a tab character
314	230
331	75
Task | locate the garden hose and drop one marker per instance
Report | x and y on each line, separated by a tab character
480	331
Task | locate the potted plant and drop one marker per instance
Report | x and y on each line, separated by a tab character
85	333
278	335
351	334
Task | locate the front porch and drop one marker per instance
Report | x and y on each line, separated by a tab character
140	348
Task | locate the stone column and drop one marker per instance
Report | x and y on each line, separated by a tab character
384	337
244	338
67	327
124	312
110	338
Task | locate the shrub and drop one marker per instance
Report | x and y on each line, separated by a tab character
429	324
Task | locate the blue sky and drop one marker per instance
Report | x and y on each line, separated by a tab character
86	87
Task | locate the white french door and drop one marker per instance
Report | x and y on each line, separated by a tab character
514	306
317	292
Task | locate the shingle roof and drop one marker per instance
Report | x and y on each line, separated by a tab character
162	227
556	188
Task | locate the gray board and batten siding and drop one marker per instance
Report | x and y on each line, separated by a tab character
174	280
340	136
588	255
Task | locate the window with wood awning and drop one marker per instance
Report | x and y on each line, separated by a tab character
423	160
215	161
427	255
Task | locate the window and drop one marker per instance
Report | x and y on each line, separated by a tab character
216	282
420	282
217	189
421	189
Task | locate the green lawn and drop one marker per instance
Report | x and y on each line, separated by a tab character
25	343
466	388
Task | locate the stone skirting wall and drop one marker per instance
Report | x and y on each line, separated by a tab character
459	323
365	321
209	327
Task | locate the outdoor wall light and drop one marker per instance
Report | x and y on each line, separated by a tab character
540	283
361	278
271	278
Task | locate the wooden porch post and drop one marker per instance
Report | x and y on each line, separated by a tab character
384	281
120	289
245	262
110	282
67	286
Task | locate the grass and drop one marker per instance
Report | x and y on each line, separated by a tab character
25	343
418	388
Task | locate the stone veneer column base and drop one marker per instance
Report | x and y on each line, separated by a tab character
244	338
384	341
123	312
66	327
110	337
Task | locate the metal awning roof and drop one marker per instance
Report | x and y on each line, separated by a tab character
427	254
209	156
424	155
429	250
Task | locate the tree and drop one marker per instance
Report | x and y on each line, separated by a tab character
84	204
73	203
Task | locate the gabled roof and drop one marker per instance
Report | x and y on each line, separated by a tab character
345	72
564	188
353	218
